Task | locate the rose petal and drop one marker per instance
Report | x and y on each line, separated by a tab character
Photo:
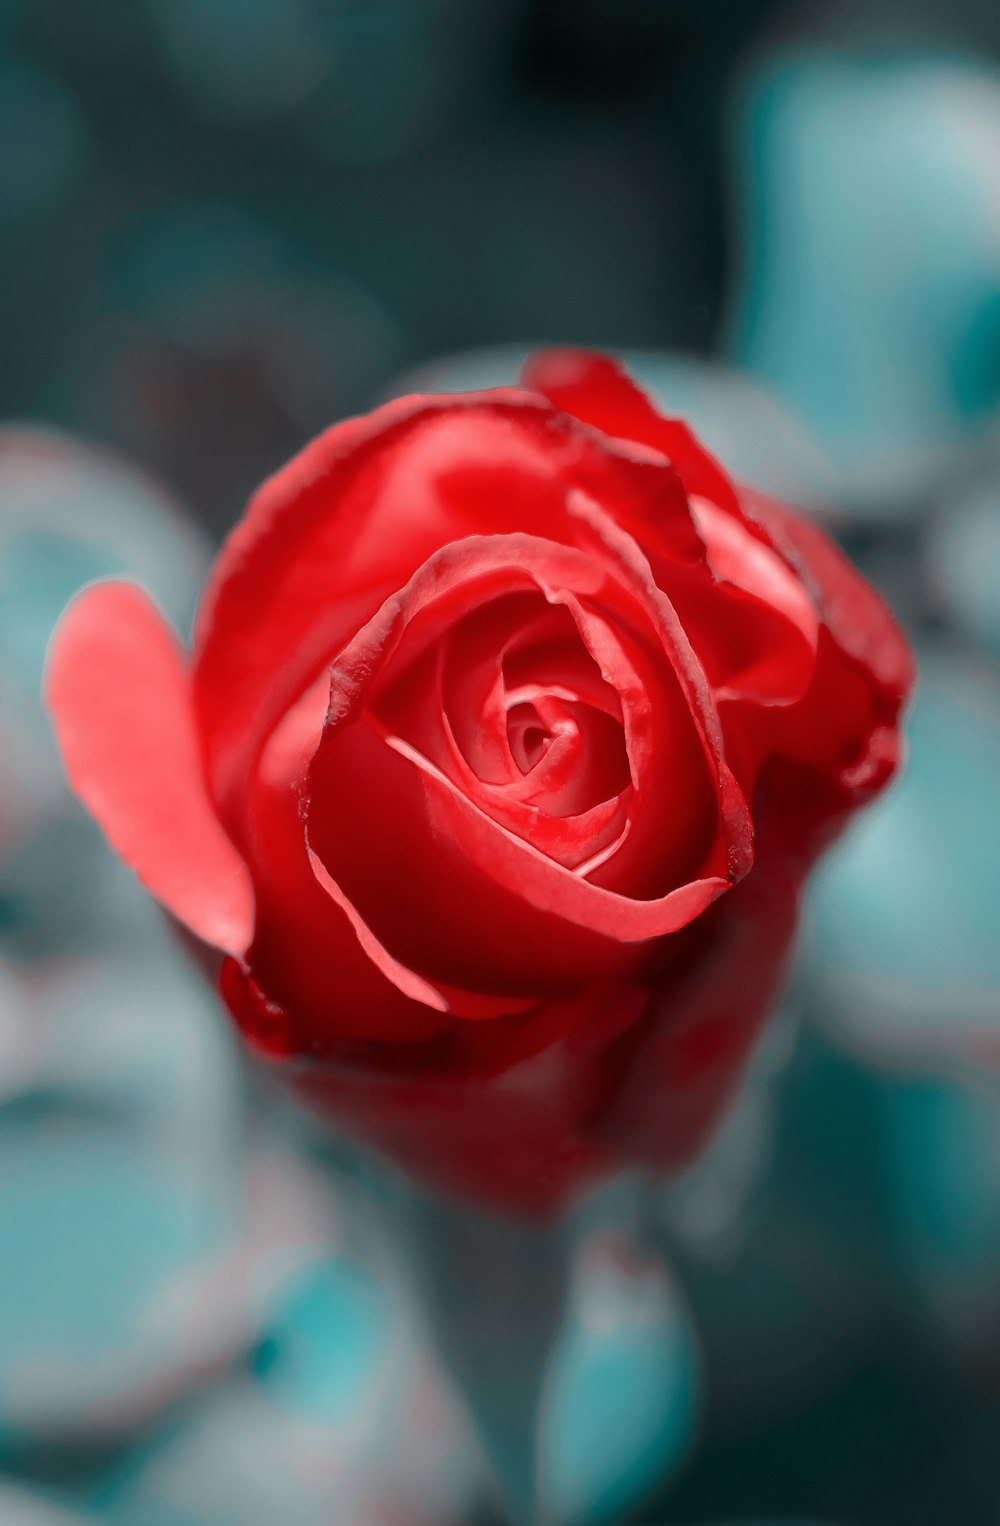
312	955
693	1043
673	817
597	390
775	636
634	568
348	522
512	1133
845	729
440	996
420	861
512	863
120	699
459	689
369	824
276	603
765	647
855	614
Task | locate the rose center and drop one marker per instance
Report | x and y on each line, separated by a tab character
528	736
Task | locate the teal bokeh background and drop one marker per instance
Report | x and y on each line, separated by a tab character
223	225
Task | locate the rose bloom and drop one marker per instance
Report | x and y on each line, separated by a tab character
511	728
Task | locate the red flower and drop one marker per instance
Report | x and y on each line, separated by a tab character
490	695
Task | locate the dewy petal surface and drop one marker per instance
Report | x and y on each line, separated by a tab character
120	698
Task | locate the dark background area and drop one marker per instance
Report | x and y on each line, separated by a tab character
226	223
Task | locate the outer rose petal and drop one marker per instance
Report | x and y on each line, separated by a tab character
686	1058
511	1135
760	644
616	1076
845	730
857	617
775	664
120	700
598	391
844	724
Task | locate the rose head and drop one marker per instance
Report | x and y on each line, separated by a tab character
510	731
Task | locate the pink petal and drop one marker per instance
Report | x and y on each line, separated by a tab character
119	696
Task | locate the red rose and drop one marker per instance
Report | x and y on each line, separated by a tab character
490	696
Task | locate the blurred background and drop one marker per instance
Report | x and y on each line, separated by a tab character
223	225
